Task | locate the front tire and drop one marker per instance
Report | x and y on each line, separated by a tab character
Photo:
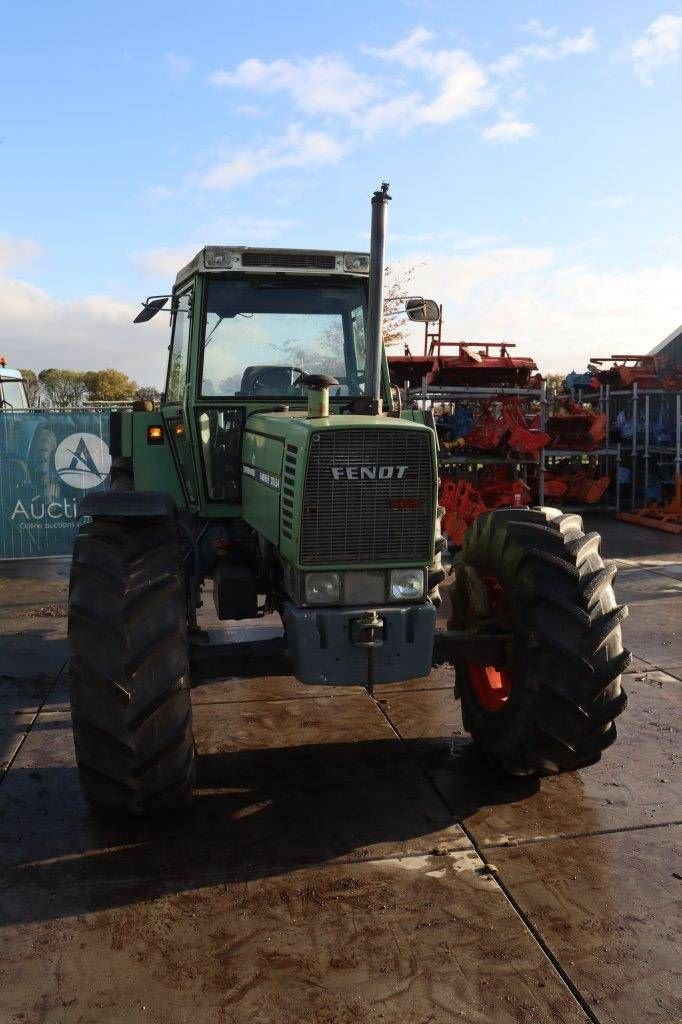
535	573
129	668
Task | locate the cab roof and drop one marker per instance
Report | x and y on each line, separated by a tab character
219	258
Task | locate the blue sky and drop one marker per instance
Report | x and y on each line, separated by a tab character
533	151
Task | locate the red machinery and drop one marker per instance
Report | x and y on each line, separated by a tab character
583	486
627	370
460	364
464	501
576	427
502	423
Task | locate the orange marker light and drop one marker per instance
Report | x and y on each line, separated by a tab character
154	435
179	429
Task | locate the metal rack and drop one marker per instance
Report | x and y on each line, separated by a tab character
639	448
637	453
431	395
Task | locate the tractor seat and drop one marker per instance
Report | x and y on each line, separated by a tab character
269	380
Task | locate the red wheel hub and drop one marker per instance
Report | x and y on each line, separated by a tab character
492	686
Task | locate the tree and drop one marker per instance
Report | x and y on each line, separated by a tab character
555	383
32	386
396	289
62	387
109	386
148	393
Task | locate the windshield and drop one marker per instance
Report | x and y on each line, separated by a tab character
260	336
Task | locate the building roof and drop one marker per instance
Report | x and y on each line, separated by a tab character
662	345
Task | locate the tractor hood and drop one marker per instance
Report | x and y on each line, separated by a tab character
342	490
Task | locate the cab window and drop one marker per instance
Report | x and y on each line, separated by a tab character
177	363
261	335
13	394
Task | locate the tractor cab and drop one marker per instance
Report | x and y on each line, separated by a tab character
12	389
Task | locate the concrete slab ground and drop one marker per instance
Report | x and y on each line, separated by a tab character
346	859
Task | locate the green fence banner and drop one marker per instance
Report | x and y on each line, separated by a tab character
48	462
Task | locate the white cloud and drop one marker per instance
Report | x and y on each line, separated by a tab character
613	202
322	85
178	66
551	50
508	131
569	46
85	333
17	252
298	147
559	312
660	44
410	84
462	85
328	86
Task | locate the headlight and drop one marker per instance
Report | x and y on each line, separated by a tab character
407	584
217	256
322	588
356	261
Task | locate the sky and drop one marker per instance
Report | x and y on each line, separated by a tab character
533	151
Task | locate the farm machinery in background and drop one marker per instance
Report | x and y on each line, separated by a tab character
494	422
621	373
647	372
482	420
461	364
465	500
480	412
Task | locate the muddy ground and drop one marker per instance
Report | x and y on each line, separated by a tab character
346	859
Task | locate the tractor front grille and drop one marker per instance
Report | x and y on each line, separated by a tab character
300	260
360	506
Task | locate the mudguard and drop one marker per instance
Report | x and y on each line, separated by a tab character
128	504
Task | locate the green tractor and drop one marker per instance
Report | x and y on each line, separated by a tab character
282	467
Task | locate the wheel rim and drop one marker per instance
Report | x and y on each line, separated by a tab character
492	686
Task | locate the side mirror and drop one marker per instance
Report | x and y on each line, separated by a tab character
423	311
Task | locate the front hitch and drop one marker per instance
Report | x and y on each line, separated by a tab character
368	631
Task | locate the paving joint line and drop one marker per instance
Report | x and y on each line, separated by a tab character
559	836
32	722
525	920
658	572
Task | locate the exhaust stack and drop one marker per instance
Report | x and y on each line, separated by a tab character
375	314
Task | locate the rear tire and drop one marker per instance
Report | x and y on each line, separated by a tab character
129	669
541	577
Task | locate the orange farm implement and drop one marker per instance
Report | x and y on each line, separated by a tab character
666	517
